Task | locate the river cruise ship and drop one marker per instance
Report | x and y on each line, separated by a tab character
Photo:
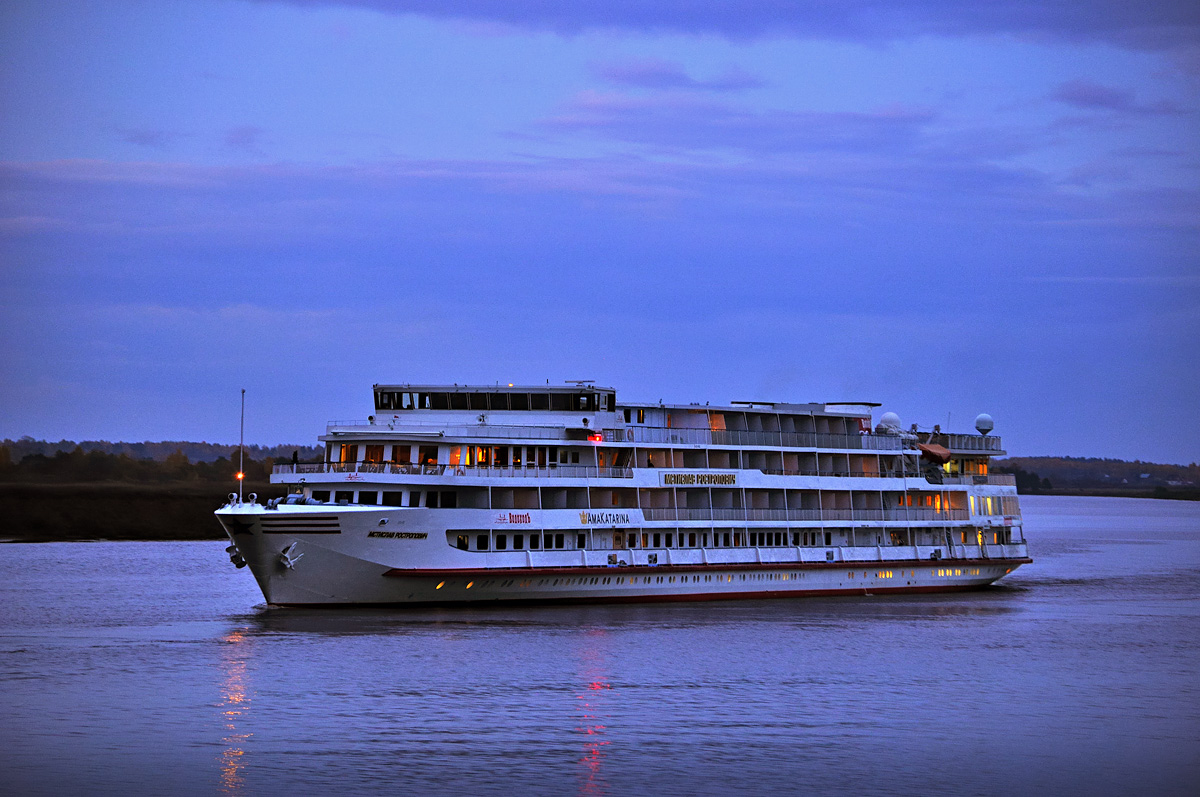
475	494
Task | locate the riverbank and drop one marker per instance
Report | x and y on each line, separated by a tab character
115	511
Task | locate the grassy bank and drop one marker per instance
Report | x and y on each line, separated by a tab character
115	511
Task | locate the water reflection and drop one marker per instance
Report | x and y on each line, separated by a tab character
594	676
234	705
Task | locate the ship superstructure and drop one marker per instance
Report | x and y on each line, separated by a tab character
463	494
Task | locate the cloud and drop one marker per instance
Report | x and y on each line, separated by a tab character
1089	96
653	73
684	123
245	138
1149	24
146	137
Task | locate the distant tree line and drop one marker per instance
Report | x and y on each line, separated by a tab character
160	451
1090	473
79	465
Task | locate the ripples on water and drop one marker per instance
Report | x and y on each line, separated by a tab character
152	667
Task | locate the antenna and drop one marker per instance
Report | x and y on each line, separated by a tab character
241	474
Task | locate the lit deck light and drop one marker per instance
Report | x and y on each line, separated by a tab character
240	476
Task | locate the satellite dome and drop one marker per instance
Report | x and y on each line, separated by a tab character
890	420
984	423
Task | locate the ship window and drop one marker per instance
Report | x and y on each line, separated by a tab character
795	538
393	498
439	401
479	401
669	537
518	542
574	457
349	452
559	540
449	499
516	456
414	498
373	454
458	401
320	495
427	455
383	401
498	401
829	538
401	454
534	541
628	413
604	402
501	542
632	540
657	540
406	402
726	543
481	542
500	457
581	541
368	497
539	401
343	495
463	542
560	402
518	401
641	416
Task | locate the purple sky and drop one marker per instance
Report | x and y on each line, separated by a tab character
947	207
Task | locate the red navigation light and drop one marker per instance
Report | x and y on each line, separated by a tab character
240	476
595	438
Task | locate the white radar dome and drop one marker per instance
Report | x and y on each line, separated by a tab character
984	423
890	420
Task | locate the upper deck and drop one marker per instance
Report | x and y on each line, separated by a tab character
581	411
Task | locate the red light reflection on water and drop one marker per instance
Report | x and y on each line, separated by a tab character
235	702
592	727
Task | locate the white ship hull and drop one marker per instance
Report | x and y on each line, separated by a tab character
406	561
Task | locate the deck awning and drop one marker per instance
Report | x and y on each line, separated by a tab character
934	453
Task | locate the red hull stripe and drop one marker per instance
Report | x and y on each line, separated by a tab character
899	564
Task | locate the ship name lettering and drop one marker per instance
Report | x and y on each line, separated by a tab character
399	535
592	518
688	479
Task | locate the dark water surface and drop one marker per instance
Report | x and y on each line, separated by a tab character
150	668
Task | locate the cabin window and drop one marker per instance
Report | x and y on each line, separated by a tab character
534	541
641	416
581	541
431	499
439	401
604	402
796	538
704	539
628	414
463	542
349	452
560	540
320	495
539	401
829	538
449	499
479	401
481	542
401	455
501	542
346	496
498	401
368	497
383	401
458	401
393	498
518	542
518	401
427	455
560	402
657	540
669	537
414	498
373	454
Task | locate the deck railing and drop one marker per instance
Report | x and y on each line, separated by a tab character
671	513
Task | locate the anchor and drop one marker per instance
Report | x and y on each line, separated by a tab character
287	559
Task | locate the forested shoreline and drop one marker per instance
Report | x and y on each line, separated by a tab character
49	491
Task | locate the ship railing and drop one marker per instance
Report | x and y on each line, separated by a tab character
969	442
558	471
487	431
1001	479
736	437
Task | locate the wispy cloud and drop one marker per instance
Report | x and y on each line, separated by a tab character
653	73
1151	24
245	138
146	137
1089	96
